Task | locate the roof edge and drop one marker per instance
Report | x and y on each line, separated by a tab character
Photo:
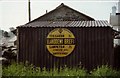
61	5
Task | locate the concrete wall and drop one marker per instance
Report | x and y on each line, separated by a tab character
115	22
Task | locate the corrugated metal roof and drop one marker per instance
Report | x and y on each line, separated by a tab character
98	23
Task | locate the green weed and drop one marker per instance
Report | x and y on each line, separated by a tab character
29	70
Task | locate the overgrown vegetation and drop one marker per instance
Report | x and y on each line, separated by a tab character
105	70
21	70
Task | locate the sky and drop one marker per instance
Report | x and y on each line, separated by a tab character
14	13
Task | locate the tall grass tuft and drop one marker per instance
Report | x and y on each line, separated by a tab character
104	70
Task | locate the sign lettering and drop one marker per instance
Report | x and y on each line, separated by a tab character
60	42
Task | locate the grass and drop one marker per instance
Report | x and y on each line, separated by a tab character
21	70
104	70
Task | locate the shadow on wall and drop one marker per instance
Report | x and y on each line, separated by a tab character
117	56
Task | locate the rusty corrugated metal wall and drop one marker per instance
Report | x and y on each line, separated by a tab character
93	47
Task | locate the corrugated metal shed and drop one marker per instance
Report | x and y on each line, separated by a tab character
93	44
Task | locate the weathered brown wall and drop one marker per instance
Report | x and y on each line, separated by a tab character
94	46
117	56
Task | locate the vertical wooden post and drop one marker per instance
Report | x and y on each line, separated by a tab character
29	10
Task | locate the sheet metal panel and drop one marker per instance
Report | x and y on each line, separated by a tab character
94	46
98	23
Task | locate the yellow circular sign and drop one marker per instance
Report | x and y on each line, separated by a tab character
60	42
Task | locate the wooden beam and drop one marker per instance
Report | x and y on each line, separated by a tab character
29	10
